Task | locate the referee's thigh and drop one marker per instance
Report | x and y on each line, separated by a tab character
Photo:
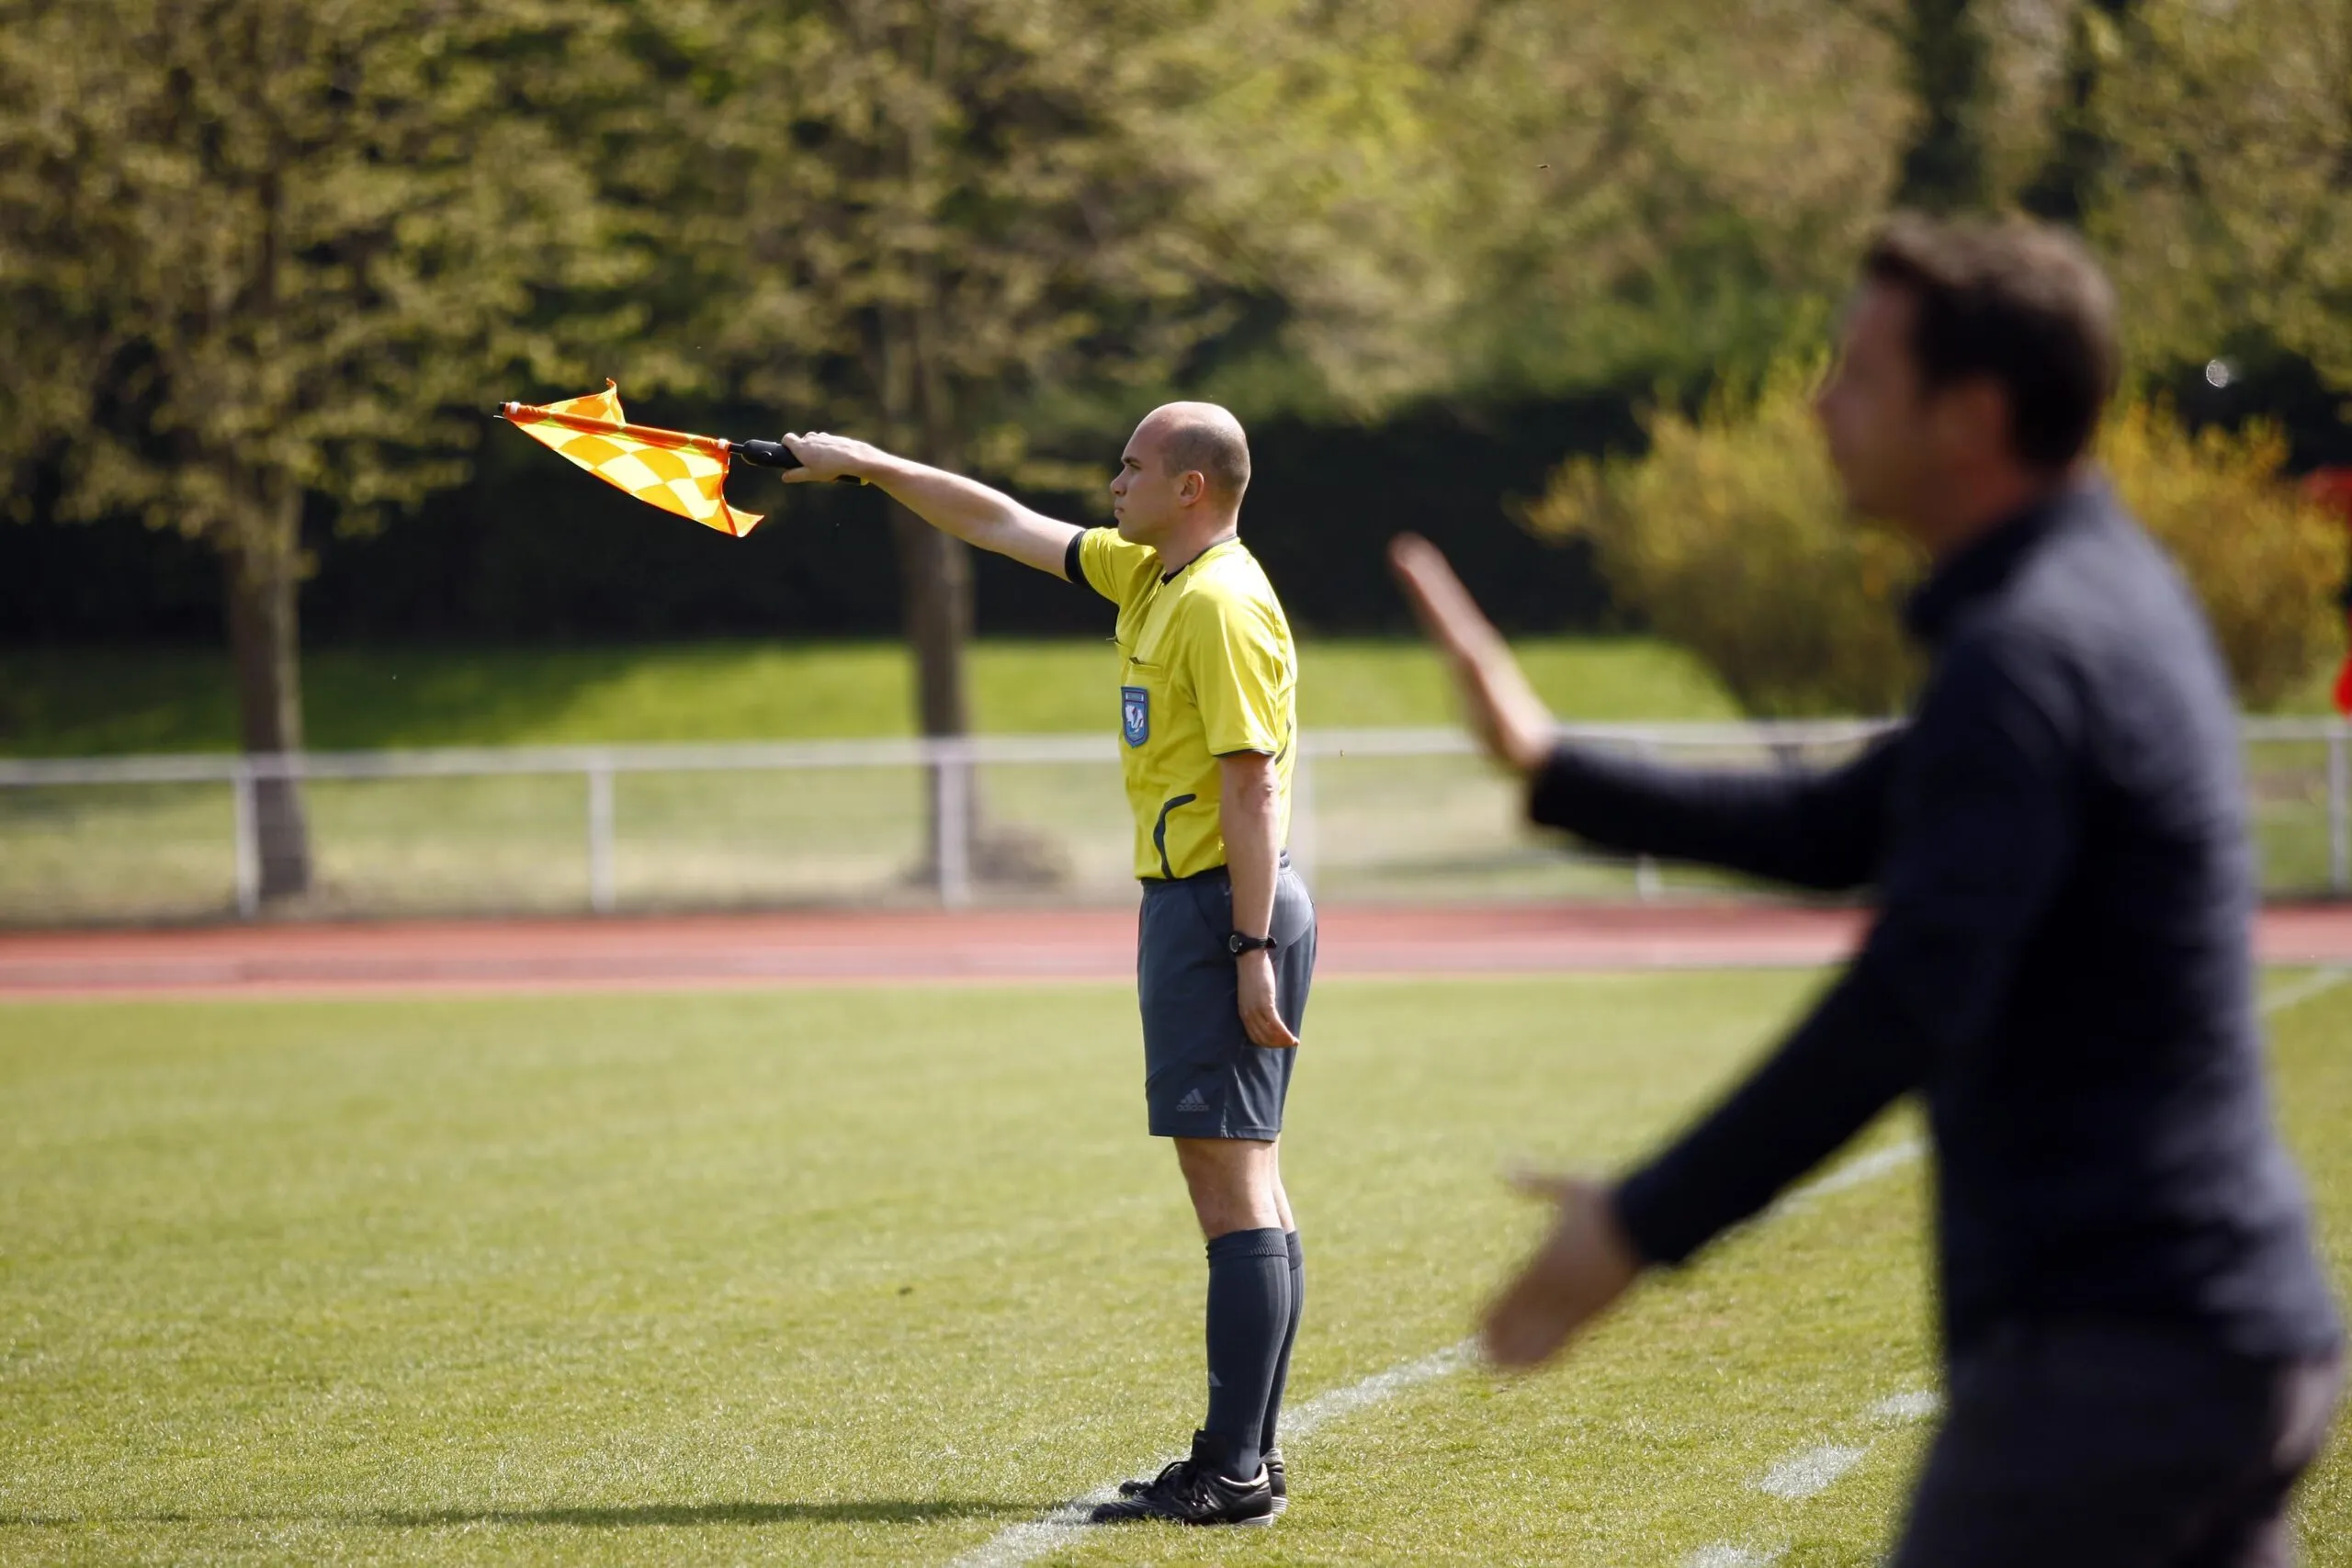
1204	1077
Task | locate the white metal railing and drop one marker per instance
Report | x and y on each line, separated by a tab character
950	761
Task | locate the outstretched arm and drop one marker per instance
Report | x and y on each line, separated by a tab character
1819	830
1822	831
1992	824
949	503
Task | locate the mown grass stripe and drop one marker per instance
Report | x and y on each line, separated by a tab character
1808	1474
1035	1538
2303	990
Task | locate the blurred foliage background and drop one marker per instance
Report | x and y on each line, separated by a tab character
2262	556
1727	537
266	263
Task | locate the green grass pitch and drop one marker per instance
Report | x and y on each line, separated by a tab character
833	1276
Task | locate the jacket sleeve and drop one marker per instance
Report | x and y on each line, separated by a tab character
1816	829
1982	831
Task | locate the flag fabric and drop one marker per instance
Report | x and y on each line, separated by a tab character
668	468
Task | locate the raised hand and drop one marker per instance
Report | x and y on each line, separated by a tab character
1501	707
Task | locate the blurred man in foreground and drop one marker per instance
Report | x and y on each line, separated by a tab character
2142	1351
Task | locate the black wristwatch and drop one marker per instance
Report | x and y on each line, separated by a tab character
1237	944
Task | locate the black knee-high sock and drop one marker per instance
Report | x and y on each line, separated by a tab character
1248	1308
1290	1338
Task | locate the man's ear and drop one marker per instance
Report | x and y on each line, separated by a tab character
1978	409
1192	487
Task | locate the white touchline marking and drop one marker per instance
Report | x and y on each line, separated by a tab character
1809	1472
1025	1543
1334	1405
2303	990
1853	1173
1721	1556
1017	1545
1813	1471
1022	1543
1916	1405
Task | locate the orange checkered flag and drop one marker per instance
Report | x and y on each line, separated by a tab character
668	468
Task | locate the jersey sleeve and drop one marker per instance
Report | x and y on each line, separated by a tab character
1236	656
1111	566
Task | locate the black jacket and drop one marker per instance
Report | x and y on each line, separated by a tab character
2061	961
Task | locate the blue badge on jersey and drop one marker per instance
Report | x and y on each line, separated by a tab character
1135	714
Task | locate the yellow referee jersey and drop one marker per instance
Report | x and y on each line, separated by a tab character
1207	669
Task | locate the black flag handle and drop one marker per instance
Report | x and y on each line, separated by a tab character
776	455
765	454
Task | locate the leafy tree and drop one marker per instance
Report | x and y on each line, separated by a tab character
955	228
989	232
1551	198
1946	59
255	254
2205	150
2072	182
2227	210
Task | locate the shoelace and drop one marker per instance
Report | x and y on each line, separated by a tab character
1182	1481
1191	1485
1179	1481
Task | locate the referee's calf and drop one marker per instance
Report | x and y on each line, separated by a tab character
2142	1352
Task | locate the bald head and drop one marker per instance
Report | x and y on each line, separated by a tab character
1180	482
1203	439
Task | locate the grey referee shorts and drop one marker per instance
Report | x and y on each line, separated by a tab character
1204	1077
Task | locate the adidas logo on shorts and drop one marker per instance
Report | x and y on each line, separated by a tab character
1193	1100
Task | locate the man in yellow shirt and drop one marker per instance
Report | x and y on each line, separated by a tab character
1209	729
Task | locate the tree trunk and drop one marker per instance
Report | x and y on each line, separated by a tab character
2068	185
935	597
918	408
934	569
1944	169
260	577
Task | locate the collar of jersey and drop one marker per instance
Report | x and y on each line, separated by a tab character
1168	577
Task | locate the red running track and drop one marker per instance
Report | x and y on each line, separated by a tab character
849	947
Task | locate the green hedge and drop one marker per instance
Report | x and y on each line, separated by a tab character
1729	537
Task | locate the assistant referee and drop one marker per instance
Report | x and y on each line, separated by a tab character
1208	730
